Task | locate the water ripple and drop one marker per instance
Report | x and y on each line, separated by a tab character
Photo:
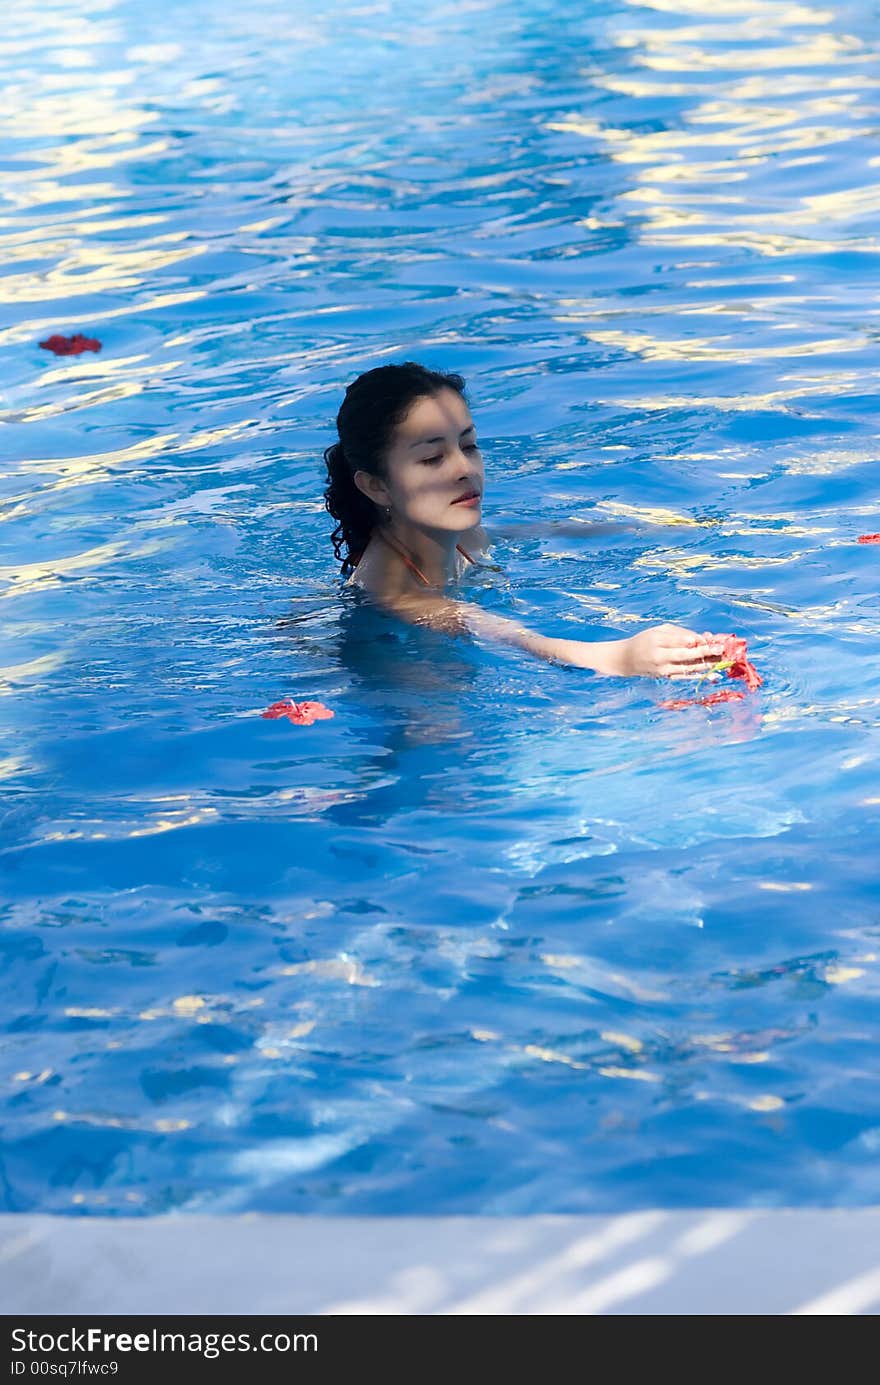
498	931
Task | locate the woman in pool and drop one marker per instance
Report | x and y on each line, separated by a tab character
406	483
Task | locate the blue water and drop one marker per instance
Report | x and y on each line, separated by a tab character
501	936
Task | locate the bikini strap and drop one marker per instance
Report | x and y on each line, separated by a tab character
486	567
410	564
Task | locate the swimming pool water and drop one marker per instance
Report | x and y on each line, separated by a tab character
501	936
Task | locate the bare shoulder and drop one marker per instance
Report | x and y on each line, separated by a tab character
371	572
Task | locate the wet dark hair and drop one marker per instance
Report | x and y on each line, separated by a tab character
374	404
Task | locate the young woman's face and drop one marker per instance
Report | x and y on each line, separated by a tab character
433	461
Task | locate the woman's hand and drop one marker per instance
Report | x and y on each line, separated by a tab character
666	651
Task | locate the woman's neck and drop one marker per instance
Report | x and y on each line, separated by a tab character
433	553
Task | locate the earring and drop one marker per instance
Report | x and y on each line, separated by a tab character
387	511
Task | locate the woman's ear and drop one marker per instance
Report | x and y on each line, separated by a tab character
373	487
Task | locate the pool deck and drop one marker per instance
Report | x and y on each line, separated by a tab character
652	1262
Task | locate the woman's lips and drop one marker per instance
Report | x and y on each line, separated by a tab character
468	500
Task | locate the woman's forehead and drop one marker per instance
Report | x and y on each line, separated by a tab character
435	415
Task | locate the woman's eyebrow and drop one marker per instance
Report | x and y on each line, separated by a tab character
471	428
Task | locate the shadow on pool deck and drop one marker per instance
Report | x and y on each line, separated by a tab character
707	1262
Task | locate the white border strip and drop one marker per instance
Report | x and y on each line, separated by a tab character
652	1262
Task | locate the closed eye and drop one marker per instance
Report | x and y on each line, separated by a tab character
472	447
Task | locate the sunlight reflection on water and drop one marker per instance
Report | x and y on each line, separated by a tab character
500	936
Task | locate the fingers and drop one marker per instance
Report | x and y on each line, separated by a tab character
677	643
704	655
688	667
679	671
671	635
682	653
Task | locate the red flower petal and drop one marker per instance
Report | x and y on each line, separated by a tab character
70	346
278	709
316	710
744	669
869	538
736	652
300	713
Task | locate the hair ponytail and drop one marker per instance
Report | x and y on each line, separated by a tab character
374	404
347	504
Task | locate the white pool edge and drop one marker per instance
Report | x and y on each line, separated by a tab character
710	1261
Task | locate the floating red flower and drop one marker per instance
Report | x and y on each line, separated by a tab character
869	538
300	713
70	346
735	663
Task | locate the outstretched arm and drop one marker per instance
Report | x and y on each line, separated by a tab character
665	651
